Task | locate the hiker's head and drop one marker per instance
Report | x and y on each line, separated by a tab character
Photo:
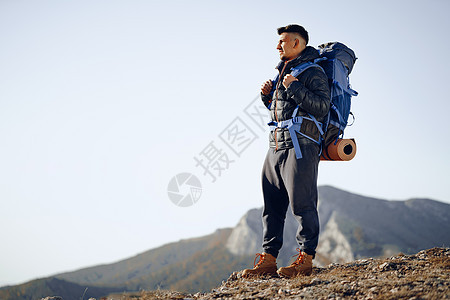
293	40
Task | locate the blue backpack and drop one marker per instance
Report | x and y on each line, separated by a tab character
337	61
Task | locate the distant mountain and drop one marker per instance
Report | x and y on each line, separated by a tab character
374	227
147	263
183	265
191	265
352	227
36	289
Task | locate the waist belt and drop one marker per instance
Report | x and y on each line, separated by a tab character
294	126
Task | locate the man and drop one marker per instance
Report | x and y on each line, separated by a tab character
287	179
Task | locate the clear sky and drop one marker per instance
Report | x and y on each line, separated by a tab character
102	103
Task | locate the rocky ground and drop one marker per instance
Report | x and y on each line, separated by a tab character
425	275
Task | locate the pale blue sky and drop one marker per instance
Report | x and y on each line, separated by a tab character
103	102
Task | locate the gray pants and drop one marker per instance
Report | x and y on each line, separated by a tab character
287	180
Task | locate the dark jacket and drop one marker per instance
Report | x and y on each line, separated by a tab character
311	92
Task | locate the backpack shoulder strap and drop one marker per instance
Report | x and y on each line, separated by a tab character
297	70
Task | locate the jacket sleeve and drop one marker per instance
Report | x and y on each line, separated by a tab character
311	92
266	99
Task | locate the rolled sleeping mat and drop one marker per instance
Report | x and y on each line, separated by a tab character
343	150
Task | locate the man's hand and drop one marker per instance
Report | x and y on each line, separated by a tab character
288	79
266	88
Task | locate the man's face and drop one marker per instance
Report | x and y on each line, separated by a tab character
289	46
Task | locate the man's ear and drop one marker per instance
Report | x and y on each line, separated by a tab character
296	43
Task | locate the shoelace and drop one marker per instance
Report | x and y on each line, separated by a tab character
261	259
300	257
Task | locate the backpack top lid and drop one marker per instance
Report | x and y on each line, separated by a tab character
338	50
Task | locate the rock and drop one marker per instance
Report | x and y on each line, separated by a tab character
283	291
383	266
394	290
315	281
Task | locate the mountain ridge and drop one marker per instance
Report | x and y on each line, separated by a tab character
162	255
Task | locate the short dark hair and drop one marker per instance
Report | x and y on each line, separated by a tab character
295	29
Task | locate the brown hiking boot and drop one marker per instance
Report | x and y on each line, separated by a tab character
301	266
267	265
